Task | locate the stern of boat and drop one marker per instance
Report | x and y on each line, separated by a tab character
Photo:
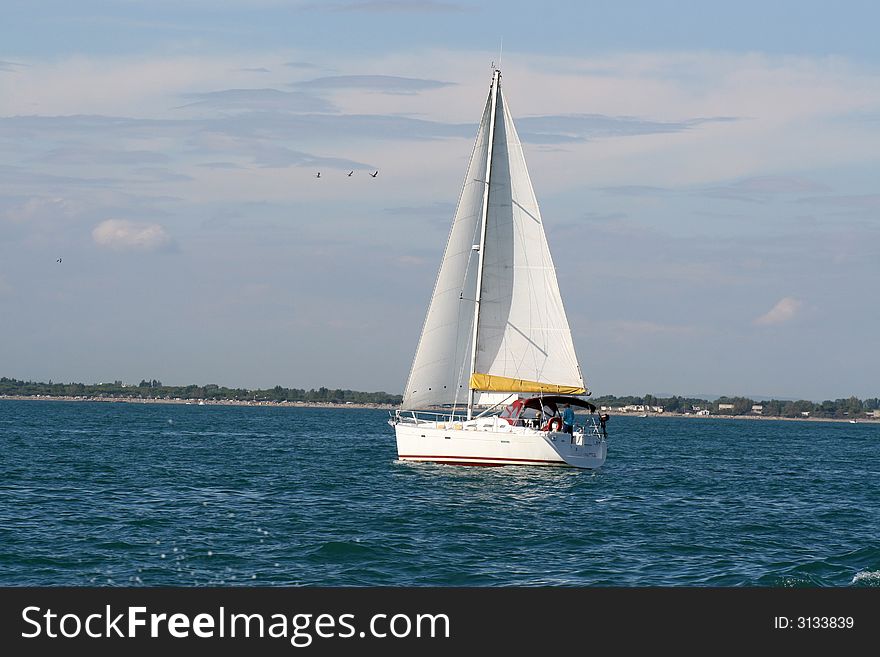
586	448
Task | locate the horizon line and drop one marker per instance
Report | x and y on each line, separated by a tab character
313	388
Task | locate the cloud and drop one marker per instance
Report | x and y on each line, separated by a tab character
122	234
13	178
557	129
303	65
759	189
260	100
778	185
785	310
151	25
84	155
858	201
634	190
263	152
388	6
386	84
256	125
755	189
36	208
10	67
220	165
329	127
157	174
102	127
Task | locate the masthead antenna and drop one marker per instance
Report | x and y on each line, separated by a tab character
500	52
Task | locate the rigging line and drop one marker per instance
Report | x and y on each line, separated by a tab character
518	163
434	293
517	204
457	359
461	298
529	269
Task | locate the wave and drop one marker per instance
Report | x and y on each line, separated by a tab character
867	578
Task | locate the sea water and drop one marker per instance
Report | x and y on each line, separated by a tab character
126	494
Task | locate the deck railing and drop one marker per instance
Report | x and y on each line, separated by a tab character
590	427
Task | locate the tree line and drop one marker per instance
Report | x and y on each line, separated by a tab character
154	389
852	407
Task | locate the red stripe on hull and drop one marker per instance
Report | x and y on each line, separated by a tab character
497	460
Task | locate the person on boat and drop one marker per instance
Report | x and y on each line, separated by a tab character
603	418
568	420
539	418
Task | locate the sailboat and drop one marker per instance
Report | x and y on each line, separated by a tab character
495	364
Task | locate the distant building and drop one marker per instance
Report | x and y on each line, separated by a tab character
703	412
805	413
757	408
725	407
634	408
877	414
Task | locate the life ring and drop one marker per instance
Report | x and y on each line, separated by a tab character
554	421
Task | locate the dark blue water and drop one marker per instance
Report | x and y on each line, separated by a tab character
131	494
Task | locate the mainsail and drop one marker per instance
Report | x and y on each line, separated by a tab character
523	341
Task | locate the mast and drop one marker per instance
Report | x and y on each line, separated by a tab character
496	81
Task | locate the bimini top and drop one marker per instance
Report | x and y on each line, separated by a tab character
553	402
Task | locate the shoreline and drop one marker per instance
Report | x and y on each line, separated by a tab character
198	402
860	420
389	407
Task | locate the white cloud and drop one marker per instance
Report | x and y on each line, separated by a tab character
36	208
785	310
389	84
124	234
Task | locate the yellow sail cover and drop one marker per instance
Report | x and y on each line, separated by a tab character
487	382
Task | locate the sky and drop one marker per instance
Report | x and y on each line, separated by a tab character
707	174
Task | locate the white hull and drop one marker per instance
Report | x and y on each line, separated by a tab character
493	442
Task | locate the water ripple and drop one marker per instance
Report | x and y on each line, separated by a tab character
155	495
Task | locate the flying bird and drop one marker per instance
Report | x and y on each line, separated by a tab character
318	175
349	173
59	260
374	174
